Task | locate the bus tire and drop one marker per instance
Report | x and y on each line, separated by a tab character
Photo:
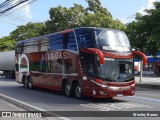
25	83
78	91
67	89
30	83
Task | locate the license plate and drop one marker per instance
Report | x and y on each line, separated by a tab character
119	95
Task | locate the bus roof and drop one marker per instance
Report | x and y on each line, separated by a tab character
65	31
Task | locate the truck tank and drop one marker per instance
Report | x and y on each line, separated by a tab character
7	63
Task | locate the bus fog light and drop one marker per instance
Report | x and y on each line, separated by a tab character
132	92
102	92
94	92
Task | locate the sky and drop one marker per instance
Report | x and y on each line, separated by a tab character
38	11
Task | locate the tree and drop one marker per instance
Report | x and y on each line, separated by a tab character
152	20
28	31
137	35
101	20
62	18
94	15
96	7
7	43
144	32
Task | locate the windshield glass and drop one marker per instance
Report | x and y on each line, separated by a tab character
112	40
116	70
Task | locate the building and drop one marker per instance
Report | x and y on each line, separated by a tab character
153	63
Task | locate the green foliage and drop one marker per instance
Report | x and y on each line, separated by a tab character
62	18
28	31
94	15
95	7
101	20
137	35
6	43
144	32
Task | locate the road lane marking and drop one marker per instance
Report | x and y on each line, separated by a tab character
143	98
115	106
27	106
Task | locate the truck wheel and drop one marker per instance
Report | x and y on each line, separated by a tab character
78	91
30	83
6	74
67	89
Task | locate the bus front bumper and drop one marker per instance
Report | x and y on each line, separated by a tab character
103	91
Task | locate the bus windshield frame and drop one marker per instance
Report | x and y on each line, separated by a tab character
116	70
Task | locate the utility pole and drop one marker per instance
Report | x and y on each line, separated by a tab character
141	70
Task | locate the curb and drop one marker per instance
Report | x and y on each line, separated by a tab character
29	107
151	86
21	104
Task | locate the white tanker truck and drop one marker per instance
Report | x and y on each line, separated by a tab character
7	64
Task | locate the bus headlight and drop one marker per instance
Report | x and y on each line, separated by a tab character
102	92
133	85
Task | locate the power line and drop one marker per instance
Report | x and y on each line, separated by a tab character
12	11
12	7
10	4
18	8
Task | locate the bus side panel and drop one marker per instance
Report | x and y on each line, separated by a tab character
48	69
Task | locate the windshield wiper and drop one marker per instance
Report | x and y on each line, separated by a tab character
129	79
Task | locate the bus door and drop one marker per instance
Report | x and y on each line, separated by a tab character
88	61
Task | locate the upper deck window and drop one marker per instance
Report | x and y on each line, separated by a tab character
63	41
112	40
85	38
56	41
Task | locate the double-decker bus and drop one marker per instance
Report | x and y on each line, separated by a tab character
86	61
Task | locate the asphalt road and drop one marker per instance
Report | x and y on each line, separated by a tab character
7	106
144	100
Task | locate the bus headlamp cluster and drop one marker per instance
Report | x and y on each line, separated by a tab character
133	85
104	86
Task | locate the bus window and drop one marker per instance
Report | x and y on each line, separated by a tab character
84	38
72	42
56	41
89	68
63	41
41	44
70	66
55	67
29	46
111	40
69	41
88	63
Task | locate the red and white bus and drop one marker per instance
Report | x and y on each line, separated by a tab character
84	61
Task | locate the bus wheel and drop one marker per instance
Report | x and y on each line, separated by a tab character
25	85
67	89
78	91
30	83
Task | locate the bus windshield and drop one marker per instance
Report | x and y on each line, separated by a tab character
112	40
116	70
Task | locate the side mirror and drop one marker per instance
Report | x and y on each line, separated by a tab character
142	55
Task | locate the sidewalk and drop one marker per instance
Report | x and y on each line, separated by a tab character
148	81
